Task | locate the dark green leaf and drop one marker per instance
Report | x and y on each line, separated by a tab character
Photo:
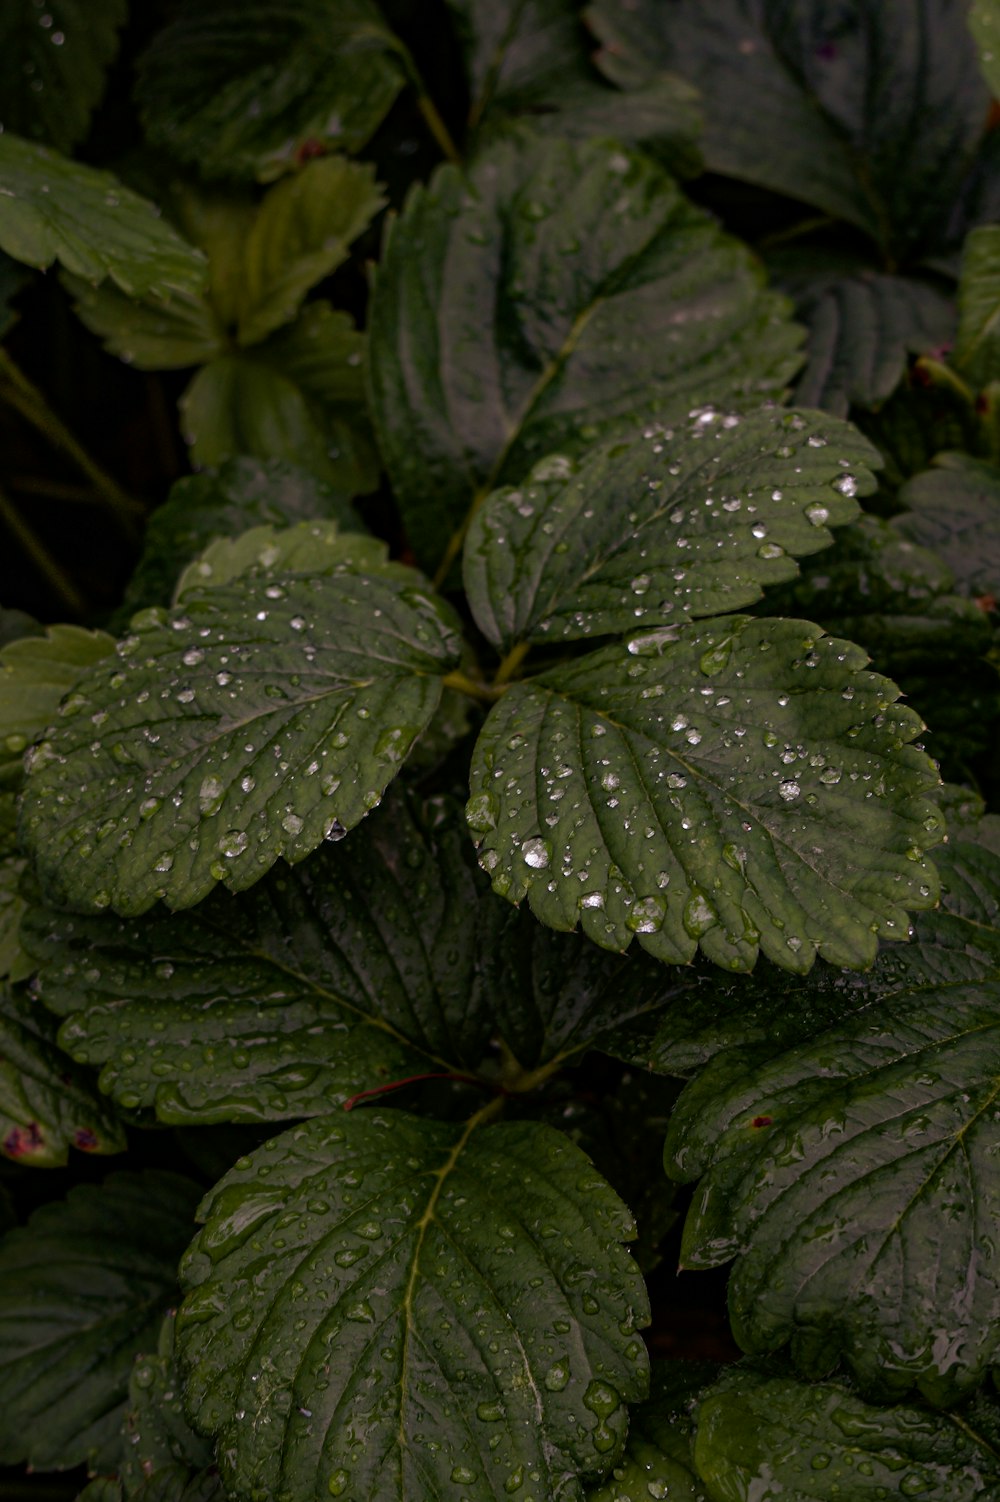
770	1437
838	1163
156	1435
35	673
12	278
553	294
237	88
14	964
870	112
253	722
977	347
984	20
346	972
46	1104
83	1287
53	62
469	1279
309	548
102	1489
240	494
664	528
57	210
955	510
742	786
175	1484
658	1460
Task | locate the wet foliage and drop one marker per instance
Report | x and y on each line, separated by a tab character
498	722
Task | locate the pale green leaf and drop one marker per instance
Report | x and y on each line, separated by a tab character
663	527
846	1153
977	346
301	233
308	548
54	60
769	1438
149	335
237	88
984	21
472	1283
250	723
35	673
659	1462
552	294
46	1104
58	210
739	786
83	1287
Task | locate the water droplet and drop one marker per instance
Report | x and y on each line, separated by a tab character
789	790
536	853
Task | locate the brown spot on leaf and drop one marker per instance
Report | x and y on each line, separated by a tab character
85	1139
760	1121
20	1141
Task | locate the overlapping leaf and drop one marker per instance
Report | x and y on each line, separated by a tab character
977	346
346	972
156	1437
551	294
984	20
55	59
658	1462
239	88
470	1280
35	673
252	722
769	1437
58	210
739	786
669	526
869	112
954	509
851	1169
83	1287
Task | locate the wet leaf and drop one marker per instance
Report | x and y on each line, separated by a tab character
315	547
156	1436
14	963
954	509
58	210
549	296
766	1437
353	969
241	88
469	1278
54	65
83	1287
249	723
850	1168
977	347
658	1462
35	673
663	528
741	786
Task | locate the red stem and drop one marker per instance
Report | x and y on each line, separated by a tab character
413	1079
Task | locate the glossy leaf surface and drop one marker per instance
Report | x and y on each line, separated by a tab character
739	786
658	1462
83	1287
550	295
55	60
35	673
156	1435
472	1282
661	528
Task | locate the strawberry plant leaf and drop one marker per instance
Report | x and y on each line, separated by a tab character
55	60
954	509
249	723
84	218
890	1113
512	318
353	969
150	335
658	1460
836	107
977	345
155	1432
308	548
14	964
46	1104
241	88
83	1287
35	673
678	523
771	1437
741	786
984	21
473	1282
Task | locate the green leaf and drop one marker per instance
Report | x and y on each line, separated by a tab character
658	1460
46	1105
770	1437
153	335
83	1287
977	347
14	964
870	113
156	1434
665	527
835	1163
253	722
12	278
984	22
35	673
297	397
300	234
553	294
173	1484
954	509
239	88
355	968
102	1489
54	64
741	786
861	329
472	1284
58	210
240	494
309	548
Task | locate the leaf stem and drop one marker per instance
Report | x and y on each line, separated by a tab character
483	693
511	663
26	398
425	104
795	231
413	1079
39	554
